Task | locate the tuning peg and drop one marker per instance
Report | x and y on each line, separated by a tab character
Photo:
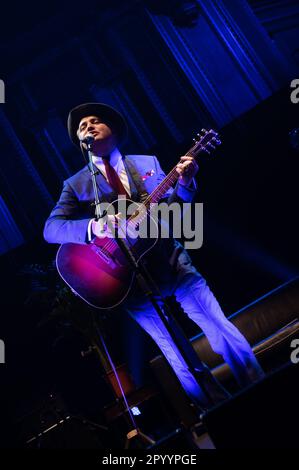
216	140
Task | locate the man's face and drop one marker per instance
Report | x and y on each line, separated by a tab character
105	139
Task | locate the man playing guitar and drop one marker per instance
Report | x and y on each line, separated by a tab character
87	260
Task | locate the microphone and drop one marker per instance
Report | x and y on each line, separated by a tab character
88	139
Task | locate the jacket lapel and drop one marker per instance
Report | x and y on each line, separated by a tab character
131	178
138	191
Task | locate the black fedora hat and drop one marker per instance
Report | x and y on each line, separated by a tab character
109	115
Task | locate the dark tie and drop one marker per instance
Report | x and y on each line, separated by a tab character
113	178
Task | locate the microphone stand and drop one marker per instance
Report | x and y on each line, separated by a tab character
99	214
100	217
212	391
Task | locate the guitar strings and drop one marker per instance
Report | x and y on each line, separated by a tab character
155	193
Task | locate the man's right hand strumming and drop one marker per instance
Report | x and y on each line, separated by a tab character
105	227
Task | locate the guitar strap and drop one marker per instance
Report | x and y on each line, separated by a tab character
136	179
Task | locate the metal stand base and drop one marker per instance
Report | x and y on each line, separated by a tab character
140	439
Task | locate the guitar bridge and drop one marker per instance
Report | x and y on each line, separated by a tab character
110	260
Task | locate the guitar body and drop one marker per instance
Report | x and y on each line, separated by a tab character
99	272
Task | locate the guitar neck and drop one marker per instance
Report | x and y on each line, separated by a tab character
206	143
165	185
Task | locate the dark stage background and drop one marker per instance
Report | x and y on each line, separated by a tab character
172	68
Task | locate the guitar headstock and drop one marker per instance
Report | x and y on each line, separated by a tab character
205	141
